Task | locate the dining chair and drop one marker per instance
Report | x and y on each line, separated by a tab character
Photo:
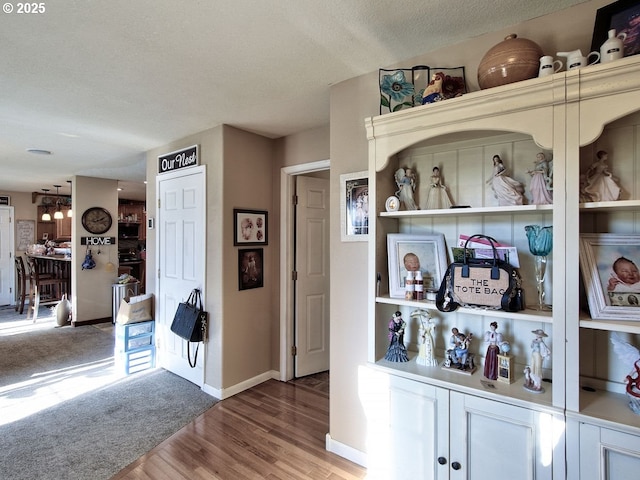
45	289
21	284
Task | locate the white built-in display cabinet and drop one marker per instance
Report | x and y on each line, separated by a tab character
569	116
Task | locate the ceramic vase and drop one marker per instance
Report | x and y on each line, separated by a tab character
511	60
63	311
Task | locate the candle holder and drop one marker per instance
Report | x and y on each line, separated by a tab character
540	244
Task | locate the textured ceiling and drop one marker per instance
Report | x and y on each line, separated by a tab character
99	82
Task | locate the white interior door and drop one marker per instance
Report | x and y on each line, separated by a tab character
312	286
7	266
181	262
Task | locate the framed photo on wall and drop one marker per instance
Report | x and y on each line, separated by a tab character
608	263
354	206
624	17
415	252
250	268
250	227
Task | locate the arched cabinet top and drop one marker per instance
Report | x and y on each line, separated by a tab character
606	93
602	94
523	107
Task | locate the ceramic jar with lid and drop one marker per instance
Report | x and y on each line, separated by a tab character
511	60
613	47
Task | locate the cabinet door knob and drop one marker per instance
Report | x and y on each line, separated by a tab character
442	460
456	465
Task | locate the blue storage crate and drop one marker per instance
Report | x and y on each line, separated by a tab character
135	347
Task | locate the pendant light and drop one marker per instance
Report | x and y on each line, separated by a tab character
46	216
58	215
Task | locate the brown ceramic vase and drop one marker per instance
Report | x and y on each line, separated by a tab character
509	61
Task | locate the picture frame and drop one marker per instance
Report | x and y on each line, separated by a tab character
431	256
250	268
598	252
354	206
623	16
250	227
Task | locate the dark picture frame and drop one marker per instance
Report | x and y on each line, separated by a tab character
354	206
598	252
250	268
624	17
250	227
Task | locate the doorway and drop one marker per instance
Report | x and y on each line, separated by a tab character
288	327
7	262
181	261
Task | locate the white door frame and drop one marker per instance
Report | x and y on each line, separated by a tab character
287	189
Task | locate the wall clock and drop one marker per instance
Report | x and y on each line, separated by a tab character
96	220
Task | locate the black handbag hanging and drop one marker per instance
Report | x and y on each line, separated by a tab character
190	323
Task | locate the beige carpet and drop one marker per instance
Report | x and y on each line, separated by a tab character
65	413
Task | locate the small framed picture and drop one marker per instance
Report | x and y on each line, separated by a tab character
426	253
608	263
250	227
354	206
624	17
250	268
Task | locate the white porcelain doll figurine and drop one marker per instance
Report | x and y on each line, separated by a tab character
426	344
406	182
600	185
541	186
539	352
506	190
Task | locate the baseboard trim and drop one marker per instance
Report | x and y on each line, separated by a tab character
345	451
240	387
91	322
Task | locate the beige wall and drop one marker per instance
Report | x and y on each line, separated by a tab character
92	289
239	172
351	102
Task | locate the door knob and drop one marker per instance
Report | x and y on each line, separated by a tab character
456	465
442	460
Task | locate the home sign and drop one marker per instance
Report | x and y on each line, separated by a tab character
97	241
173	161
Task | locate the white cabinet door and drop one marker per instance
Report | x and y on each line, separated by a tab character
419	430
608	454
492	439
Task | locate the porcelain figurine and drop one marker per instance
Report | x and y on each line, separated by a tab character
600	184
493	340
406	182
541	186
505	189
437	195
539	352
397	351
426	345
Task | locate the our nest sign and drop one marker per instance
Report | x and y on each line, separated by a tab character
185	158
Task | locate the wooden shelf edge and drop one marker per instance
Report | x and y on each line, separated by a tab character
513	393
528	315
607	409
626	326
469	211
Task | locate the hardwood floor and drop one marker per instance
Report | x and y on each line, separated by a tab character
275	430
